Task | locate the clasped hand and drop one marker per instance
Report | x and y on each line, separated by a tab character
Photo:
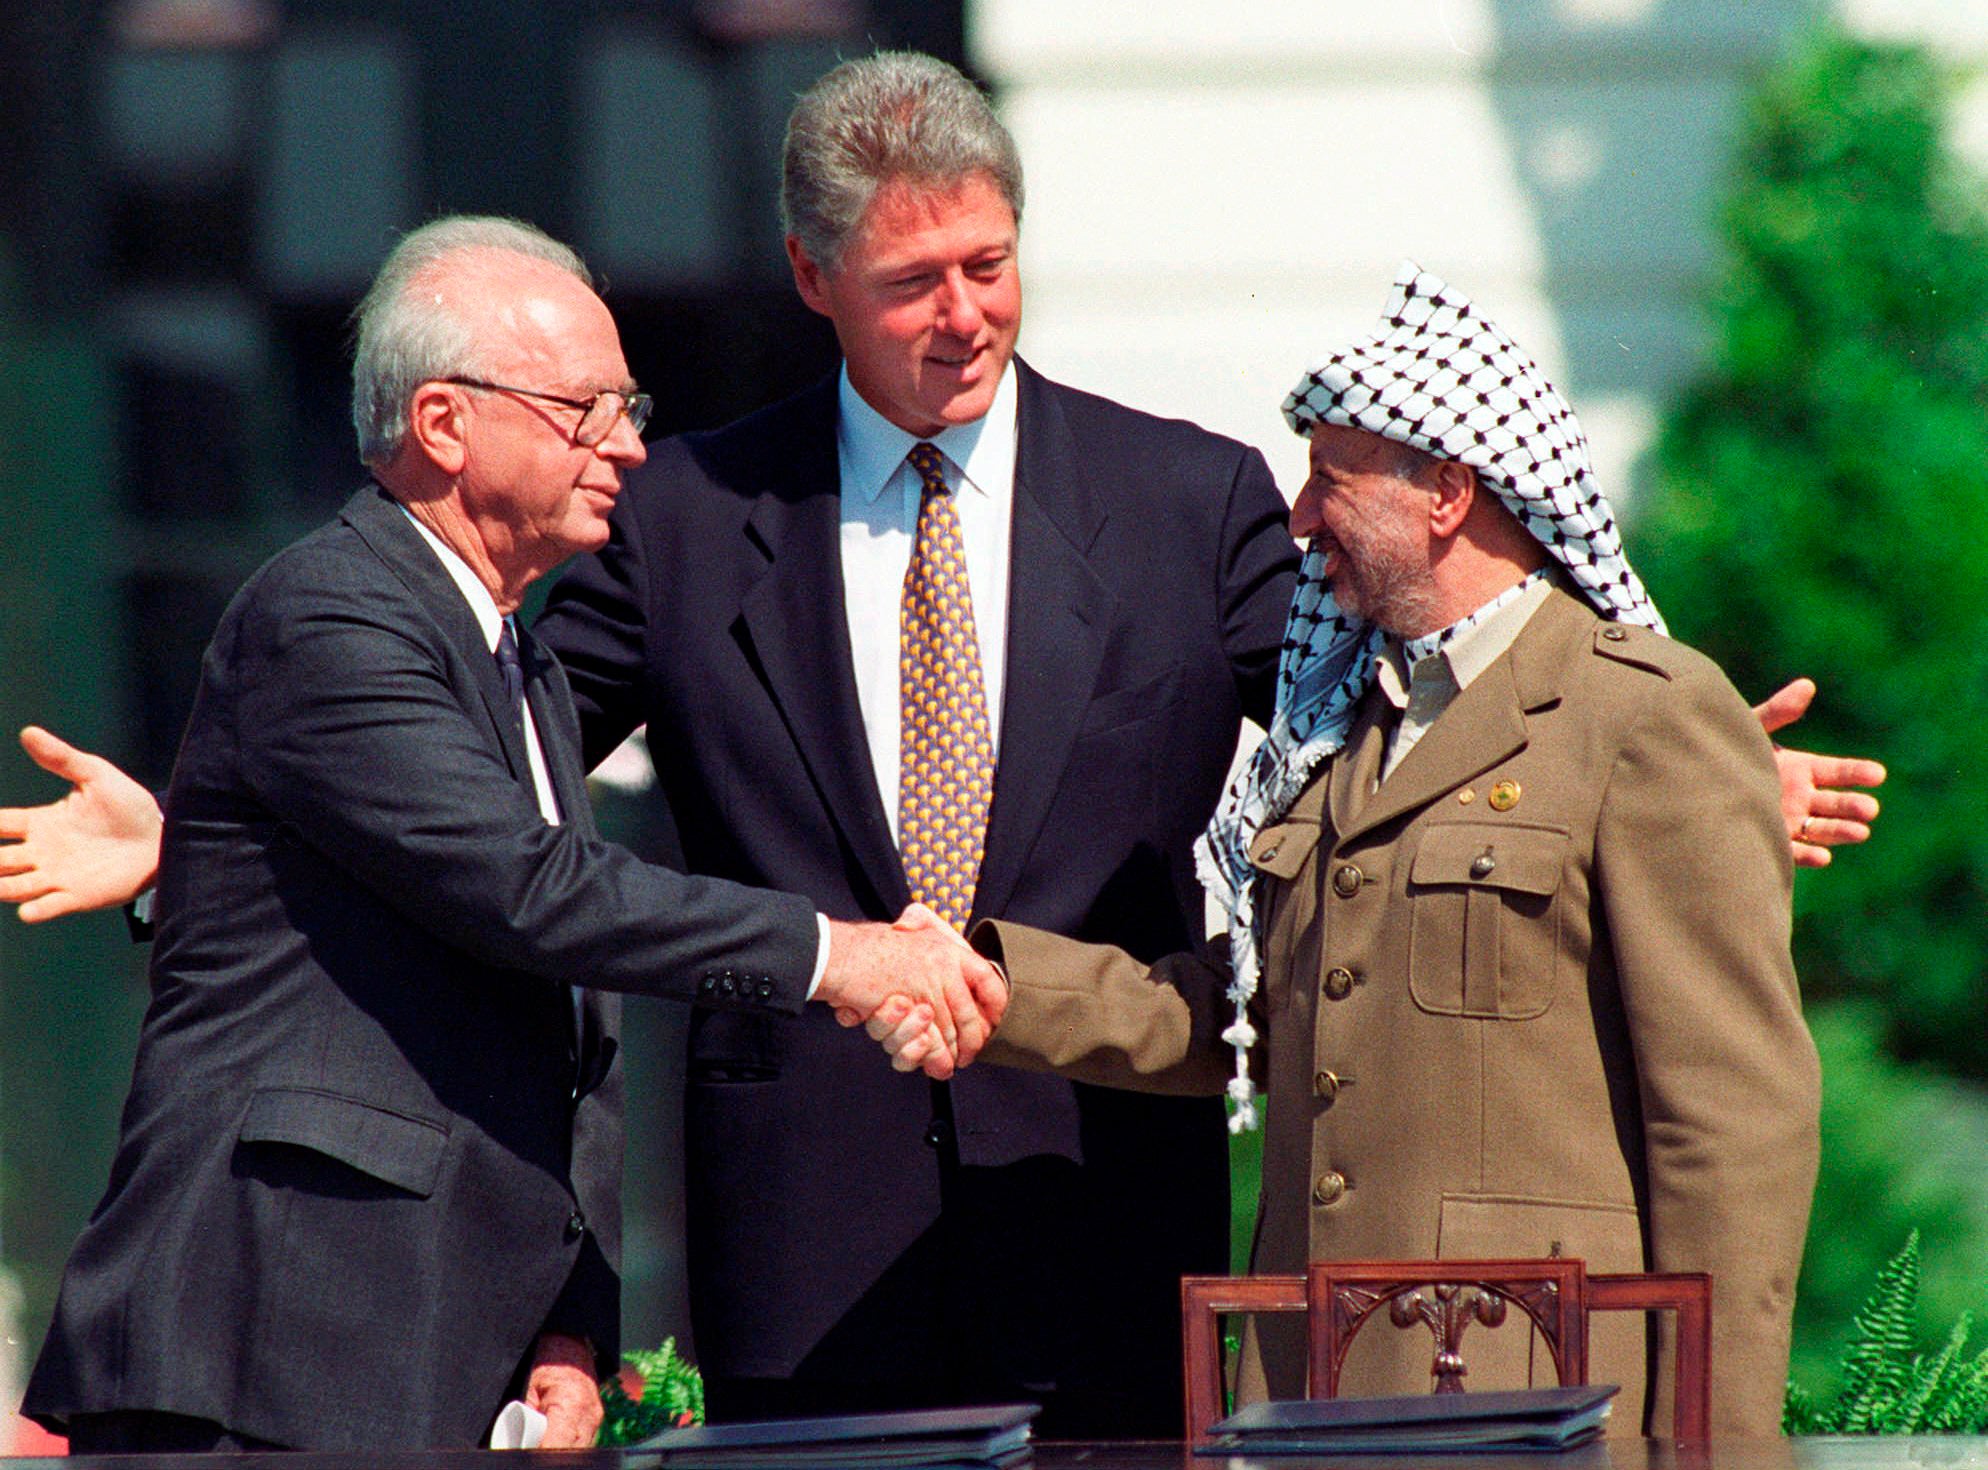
917	987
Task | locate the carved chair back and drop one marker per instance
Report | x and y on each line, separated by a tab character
1447	1298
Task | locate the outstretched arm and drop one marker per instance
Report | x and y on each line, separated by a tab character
1817	815
95	848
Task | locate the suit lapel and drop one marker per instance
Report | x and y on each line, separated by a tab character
796	631
551	701
1057	609
385	527
1485	724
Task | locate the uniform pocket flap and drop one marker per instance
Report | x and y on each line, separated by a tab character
1281	850
392	1147
1491	855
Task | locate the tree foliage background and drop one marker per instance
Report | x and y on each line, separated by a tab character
1820	505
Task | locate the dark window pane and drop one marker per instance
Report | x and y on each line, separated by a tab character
183	442
171	619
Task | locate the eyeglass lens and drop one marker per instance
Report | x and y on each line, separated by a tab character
606	410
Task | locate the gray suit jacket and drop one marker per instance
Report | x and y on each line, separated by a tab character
368	1154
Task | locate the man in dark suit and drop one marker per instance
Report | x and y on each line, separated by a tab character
369	1167
857	1238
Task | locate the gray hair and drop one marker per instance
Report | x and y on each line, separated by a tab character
893	115
405	339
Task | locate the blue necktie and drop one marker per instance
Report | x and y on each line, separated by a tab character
512	670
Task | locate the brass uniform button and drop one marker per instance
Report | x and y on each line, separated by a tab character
1326	1086
1613	634
1347	880
1505	796
1330	1188
1338	983
1466	796
1483	865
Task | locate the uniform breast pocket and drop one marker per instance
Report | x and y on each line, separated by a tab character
1485	938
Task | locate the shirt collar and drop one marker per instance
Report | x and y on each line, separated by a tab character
873	448
474	592
1468	646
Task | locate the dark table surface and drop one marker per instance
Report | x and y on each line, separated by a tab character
1939	1452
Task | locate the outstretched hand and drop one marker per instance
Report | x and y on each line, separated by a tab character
95	848
1817	815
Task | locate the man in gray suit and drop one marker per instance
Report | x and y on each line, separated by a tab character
369	1168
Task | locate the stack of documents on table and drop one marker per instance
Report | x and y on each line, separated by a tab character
924	1440
1525	1419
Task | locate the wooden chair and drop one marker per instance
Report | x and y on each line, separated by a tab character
1447	1297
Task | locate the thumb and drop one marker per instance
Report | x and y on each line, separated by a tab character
1785	705
55	755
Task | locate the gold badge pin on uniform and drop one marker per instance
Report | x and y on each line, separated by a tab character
1504	796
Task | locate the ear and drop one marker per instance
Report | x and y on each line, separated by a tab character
1455	492
809	277
438	426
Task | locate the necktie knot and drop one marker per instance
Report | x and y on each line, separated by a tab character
930	464
509	665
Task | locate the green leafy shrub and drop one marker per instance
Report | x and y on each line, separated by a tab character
672	1395
1821	504
1873	1191
1888	1386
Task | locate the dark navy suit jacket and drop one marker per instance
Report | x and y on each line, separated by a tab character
843	1219
369	1154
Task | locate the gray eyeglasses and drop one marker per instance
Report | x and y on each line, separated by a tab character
598	415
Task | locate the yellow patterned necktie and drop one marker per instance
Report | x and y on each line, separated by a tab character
946	774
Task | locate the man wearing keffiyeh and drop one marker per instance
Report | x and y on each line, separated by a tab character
1512	873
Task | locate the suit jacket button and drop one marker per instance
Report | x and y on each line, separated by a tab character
576	1225
1330	1188
728	985
1347	880
708	984
937	1132
1338	983
766	990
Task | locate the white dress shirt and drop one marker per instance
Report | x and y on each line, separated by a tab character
492	622
880	495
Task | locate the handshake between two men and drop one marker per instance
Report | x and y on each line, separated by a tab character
917	987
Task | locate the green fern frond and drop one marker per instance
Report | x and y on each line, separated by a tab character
1887	1387
1800	1413
1963	1407
1931	1382
672	1394
1879	1359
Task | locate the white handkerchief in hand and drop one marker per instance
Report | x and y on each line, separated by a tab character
519	1427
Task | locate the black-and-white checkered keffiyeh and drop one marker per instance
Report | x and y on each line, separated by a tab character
1437	376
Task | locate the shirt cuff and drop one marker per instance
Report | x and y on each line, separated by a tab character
821	956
